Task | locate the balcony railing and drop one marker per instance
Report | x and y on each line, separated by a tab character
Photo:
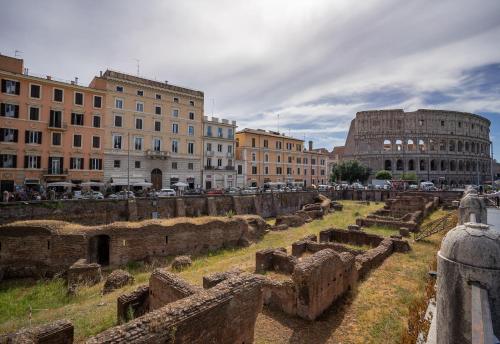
55	172
154	154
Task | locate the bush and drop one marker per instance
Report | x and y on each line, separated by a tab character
383	175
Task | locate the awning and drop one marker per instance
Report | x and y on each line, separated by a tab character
123	181
63	184
92	184
32	182
143	184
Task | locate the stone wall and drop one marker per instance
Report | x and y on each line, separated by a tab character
274	260
223	314
166	287
58	332
43	248
96	212
132	305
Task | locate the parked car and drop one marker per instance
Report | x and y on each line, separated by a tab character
92	195
357	186
193	192
427	186
215	192
232	190
122	195
250	190
413	187
324	187
166	193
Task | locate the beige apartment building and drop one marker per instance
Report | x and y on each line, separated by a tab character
268	156
153	131
218	153
50	130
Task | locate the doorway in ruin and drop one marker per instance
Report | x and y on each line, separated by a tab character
156	179
99	249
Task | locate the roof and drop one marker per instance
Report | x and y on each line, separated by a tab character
267	133
111	74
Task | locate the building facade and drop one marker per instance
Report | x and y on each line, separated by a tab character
445	147
268	156
153	131
218	153
50	131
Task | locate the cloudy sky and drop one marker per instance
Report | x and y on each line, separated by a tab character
315	63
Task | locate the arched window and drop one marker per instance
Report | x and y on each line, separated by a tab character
387	165
453	165
466	146
266	157
423	165
399	165
460	166
452	146
442	145
432	145
421	145
399	145
444	165
467	165
474	166
411	145
433	165
411	165
387	145
460	146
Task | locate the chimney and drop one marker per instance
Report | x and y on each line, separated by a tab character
100	73
76	80
310	145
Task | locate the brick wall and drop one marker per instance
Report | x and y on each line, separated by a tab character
166	287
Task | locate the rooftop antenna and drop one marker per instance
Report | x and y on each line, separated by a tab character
137	60
17	53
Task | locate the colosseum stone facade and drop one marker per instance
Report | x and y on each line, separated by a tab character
446	147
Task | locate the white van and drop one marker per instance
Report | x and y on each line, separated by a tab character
427	186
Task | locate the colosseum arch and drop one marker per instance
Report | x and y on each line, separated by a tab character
474	166
423	165
453	165
460	165
411	165
421	145
432	145
444	165
399	165
467	165
452	146
387	145
399	145
433	165
388	165
410	145
467	146
442	145
460	146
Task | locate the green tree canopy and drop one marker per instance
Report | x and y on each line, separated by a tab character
351	171
383	175
409	176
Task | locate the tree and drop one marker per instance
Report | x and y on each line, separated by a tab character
383	175
409	176
350	171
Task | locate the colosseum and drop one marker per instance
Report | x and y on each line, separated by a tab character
445	147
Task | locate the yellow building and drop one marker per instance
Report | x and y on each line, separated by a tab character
268	156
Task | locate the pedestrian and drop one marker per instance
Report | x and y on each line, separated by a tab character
6	196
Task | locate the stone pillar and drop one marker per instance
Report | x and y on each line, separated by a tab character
468	255
211	206
180	208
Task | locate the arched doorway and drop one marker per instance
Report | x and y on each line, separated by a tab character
156	179
99	249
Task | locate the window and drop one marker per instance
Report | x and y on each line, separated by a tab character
34	113
157	126
312	172
240	169
190	148
229	149
117	163
219	162
460	124
191	102
253	142
78	98
230	133
158	96
76	163
156	144
118	103
96	142
209	162
77	140
209	131
55	120
219	132
157	110
190	130
175	112
137	164
117	142
420	122
9	110
33	137
254	157
278	145
97	102
119	89
175	128
266	169
8	135
35	91
266	157
138	143
209	147
8	161
176	100
58	95
289	170
191	116
254	169
219	148
190	166
96	121
118	121
56	139
175	146
289	159
139	106
77	118
266	143
174	165
442	123
278	170
32	161
140	93
11	86
279	158
95	164
138	123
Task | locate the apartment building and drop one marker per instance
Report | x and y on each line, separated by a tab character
50	130
218	153
153	131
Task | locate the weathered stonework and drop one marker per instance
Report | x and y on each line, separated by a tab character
58	332
166	287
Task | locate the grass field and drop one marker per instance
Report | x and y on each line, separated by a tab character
375	313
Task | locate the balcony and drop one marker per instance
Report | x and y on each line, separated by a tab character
161	155
209	167
55	172
63	127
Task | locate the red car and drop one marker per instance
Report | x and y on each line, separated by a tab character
215	192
